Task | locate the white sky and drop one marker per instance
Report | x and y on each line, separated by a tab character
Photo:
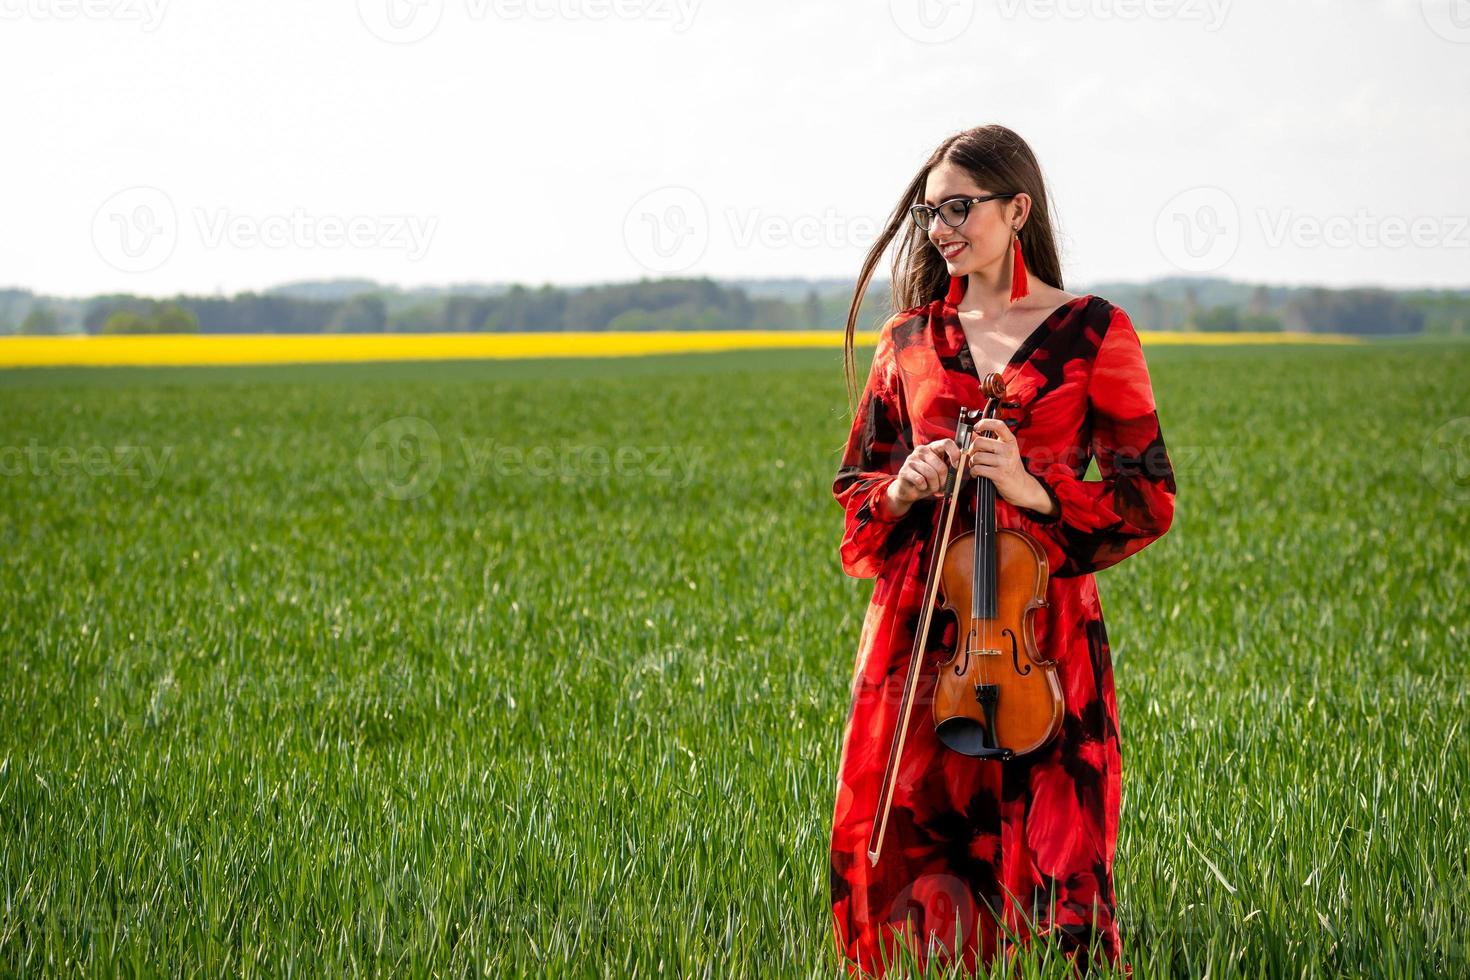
156	146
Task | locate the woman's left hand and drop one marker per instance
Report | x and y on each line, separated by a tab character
1000	459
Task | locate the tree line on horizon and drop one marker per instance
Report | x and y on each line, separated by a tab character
704	304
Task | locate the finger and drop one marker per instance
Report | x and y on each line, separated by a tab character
929	472
941	474
994	457
942	453
914	478
910	488
995	427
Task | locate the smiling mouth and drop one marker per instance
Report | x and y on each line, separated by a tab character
951	250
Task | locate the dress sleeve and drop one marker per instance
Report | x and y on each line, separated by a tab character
880	441
1101	522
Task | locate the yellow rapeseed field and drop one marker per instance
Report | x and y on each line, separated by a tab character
205	349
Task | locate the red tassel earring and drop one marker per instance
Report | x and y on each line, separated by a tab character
1019	287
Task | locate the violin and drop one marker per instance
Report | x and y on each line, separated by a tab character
994	696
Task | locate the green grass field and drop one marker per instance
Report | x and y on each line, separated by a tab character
283	696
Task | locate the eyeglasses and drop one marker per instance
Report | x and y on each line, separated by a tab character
952	212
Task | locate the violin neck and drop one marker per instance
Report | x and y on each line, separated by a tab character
985	603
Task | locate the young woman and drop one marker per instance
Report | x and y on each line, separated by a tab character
979	852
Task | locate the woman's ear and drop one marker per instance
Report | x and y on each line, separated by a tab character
1020	210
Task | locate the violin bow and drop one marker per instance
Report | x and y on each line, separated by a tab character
936	561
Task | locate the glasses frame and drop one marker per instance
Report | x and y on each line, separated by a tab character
918	210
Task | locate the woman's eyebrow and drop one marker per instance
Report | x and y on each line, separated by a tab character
947	197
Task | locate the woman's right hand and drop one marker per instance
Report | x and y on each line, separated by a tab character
923	474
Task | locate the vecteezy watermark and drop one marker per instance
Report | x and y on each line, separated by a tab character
147	14
568	916
678	13
932	21
1210	13
1445	462
410	21
138	228
1363	229
1202	466
1198	230
1150	923
1150	462
1450	19
581	462
667	230
830	229
408	233
403	457
143	463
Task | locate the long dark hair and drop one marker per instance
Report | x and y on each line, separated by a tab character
996	159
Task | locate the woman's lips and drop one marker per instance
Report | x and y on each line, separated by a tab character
952	249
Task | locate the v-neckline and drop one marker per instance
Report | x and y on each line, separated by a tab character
1021	353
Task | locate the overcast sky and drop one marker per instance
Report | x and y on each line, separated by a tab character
157	147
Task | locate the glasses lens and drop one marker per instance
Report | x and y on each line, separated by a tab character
953	212
923	217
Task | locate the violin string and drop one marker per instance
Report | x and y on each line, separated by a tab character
977	627
985	563
981	571
982	525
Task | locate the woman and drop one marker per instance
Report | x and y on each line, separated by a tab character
979	852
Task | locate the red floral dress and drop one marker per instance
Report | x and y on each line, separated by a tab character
1030	840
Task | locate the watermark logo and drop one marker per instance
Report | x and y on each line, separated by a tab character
932	21
580	461
136	229
1198	230
401	458
667	230
1445	462
938	912
400	21
1450	19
